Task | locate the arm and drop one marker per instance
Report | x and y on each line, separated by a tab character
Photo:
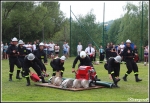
39	63
75	62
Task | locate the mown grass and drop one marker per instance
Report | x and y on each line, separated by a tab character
18	91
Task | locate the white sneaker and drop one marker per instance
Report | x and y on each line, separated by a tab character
144	63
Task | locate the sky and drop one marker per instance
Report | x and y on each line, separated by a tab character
113	9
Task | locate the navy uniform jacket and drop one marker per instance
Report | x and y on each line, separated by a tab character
22	51
56	64
112	65
126	55
40	54
86	61
10	51
35	61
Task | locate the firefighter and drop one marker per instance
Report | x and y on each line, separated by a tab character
84	61
22	53
128	54
12	52
31	60
57	65
41	55
113	66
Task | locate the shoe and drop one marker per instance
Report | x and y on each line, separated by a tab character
27	84
137	79
10	79
124	78
17	77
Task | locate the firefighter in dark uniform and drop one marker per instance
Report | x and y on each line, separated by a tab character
57	65
41	55
12	52
128	54
113	68
31	60
84	61
22	53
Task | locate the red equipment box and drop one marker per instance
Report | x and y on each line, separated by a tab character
86	72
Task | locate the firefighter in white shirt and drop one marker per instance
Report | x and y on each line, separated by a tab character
90	51
79	48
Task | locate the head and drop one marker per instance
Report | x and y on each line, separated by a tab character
14	41
117	59
128	42
79	43
34	42
31	57
56	44
21	43
90	45
62	59
134	46
82	54
37	41
119	48
64	42
41	45
5	43
101	46
122	43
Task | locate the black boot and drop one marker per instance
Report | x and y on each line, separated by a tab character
115	80
137	79
17	76
10	77
28	81
125	77
43	80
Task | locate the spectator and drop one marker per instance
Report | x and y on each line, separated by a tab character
90	51
146	51
101	54
37	44
94	58
65	49
119	51
136	58
34	46
68	50
57	48
2	46
79	48
45	48
108	51
5	49
122	46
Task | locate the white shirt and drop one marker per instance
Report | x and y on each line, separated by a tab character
57	48
2	45
51	47
45	48
34	47
68	47
87	50
79	48
122	47
29	47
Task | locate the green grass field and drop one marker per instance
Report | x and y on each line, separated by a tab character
18	91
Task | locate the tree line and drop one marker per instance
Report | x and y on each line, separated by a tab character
46	18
